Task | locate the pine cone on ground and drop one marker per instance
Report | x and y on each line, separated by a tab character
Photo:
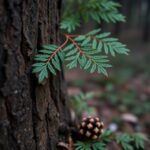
90	128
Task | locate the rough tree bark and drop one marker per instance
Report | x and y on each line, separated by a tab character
30	114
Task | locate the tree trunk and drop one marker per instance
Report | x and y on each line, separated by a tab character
146	29
30	114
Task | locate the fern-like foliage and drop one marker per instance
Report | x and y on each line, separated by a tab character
127	141
90	145
80	102
96	10
88	51
47	59
95	145
124	141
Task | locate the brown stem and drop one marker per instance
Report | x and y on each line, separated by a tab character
68	37
78	47
58	49
73	35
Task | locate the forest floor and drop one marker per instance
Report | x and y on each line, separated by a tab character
123	99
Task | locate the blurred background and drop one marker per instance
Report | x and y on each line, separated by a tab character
123	99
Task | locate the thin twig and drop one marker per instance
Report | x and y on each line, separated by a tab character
76	44
58	49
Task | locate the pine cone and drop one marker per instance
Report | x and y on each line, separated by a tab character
91	128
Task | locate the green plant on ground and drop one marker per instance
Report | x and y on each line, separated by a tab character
125	140
80	102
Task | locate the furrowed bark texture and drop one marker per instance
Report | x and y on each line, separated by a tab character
30	114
